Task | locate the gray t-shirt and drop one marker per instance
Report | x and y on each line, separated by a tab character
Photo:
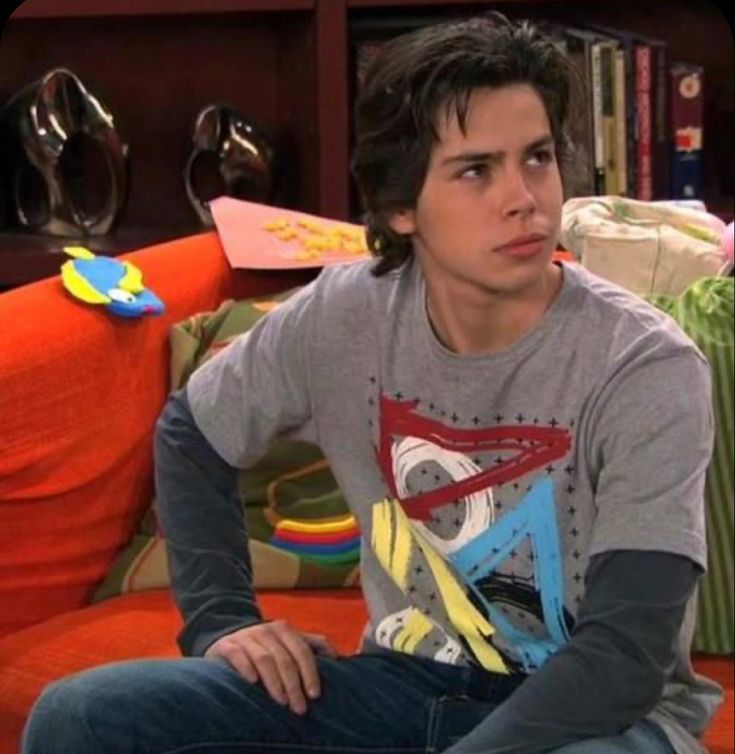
483	484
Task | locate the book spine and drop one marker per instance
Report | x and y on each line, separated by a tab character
660	121
621	118
597	119
644	179
631	117
607	67
687	118
581	181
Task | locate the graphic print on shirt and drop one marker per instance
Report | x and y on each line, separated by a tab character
454	570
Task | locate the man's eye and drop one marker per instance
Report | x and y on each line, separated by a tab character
542	157
474	171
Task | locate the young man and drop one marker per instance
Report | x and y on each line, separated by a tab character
523	444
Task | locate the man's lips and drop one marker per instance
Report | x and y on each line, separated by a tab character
523	246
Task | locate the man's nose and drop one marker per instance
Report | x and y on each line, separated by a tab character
518	198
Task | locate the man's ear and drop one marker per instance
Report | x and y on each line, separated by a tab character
403	222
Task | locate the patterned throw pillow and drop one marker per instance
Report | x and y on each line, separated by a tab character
704	312
302	534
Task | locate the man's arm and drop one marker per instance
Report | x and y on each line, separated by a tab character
202	517
648	442
201	514
612	671
231	411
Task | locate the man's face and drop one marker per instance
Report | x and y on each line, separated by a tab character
484	189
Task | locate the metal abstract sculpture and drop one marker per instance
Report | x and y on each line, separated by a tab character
52	133
242	153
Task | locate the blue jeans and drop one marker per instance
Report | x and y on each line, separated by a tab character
382	704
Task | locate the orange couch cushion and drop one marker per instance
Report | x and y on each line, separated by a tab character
720	738
81	390
143	624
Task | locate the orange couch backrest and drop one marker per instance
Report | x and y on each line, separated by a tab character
80	391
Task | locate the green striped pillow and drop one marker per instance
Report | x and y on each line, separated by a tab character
705	312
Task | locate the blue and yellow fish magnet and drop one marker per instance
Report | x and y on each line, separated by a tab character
104	280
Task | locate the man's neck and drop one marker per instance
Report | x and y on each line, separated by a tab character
489	322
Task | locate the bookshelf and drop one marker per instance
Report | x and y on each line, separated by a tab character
288	65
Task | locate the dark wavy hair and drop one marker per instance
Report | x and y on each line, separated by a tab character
426	73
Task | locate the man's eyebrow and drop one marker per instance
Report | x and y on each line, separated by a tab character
495	157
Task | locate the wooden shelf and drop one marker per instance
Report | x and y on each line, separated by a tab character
27	257
35	9
400	4
722	206
387	4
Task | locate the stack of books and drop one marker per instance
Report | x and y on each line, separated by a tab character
639	132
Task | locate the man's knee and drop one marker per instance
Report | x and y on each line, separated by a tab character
71	716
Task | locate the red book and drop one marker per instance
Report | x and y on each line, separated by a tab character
644	121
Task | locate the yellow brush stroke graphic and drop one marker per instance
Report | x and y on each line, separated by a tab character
382	536
415	629
394	540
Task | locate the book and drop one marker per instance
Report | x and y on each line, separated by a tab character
621	120
687	119
660	119
643	78
609	136
628	124
652	97
590	178
598	123
648	138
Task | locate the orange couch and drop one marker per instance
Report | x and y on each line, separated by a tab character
79	394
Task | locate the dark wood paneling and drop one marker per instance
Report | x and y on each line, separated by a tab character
333	108
73	8
25	257
298	118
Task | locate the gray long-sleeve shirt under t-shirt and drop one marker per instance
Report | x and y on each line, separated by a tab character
483	483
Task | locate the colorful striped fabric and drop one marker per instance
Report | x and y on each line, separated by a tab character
300	530
325	542
705	312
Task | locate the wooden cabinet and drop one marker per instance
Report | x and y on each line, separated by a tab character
287	64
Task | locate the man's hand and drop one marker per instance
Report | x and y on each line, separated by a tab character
278	656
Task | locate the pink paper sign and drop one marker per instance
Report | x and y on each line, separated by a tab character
260	237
